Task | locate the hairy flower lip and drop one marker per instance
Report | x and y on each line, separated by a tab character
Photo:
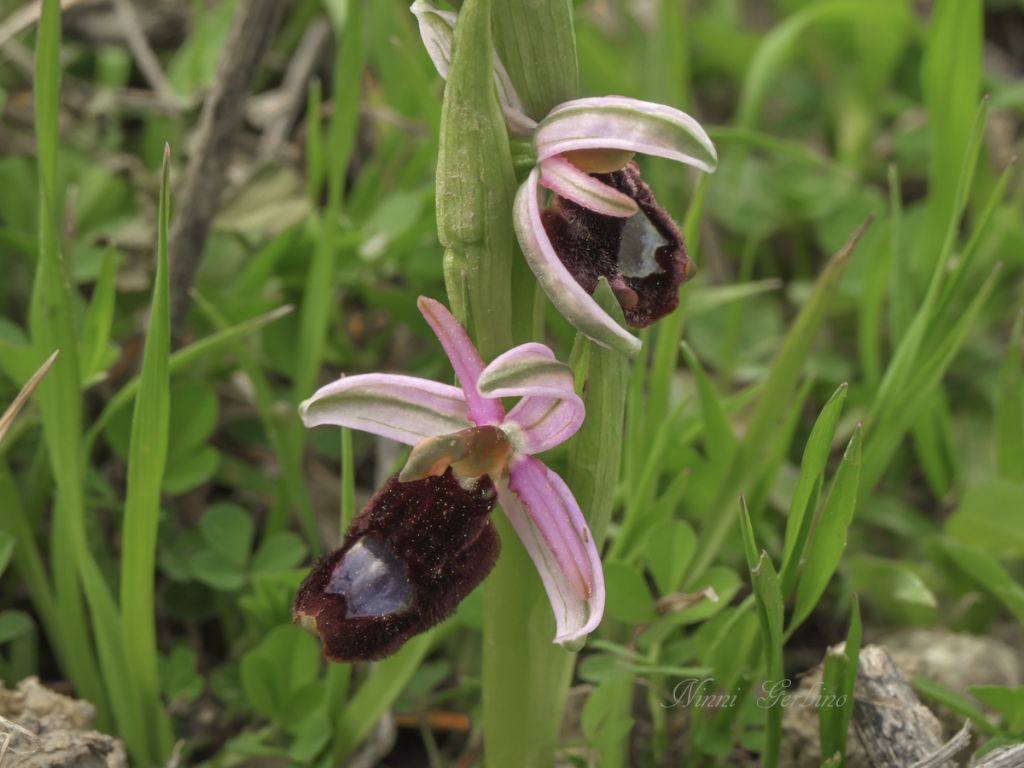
536	501
644	276
402	568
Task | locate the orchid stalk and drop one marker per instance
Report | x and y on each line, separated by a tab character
601	249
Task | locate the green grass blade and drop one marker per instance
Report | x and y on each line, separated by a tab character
60	399
768	595
670	329
23	395
28	561
180	361
99	318
955	702
990	574
315	165
828	539
341	133
773	405
1010	407
277	427
779	45
839	680
812	467
905	359
147	457
951	84
893	422
719	441
380	689
595	453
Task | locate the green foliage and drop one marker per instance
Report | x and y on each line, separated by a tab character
161	499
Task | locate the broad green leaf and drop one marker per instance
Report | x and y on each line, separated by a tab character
890	586
286	660
724	581
178	676
990	575
628	598
214	570
14	624
669	548
988	518
191	470
595	453
812	467
227	529
951	83
279	551
828	539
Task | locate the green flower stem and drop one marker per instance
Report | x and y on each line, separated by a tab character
524	674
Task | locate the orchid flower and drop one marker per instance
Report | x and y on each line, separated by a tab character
604	220
467	433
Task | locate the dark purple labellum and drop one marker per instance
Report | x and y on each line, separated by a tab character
409	558
643	256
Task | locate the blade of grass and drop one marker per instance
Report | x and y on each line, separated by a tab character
719	441
382	686
1009	414
293	483
904	360
770	614
828	540
147	457
320	281
179	362
23	395
950	83
99	318
28	561
670	330
772	406
51	327
812	467
839	680
892	423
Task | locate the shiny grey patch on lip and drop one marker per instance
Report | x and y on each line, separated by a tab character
639	246
372	579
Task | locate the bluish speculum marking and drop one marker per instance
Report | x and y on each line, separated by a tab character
639	247
373	581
